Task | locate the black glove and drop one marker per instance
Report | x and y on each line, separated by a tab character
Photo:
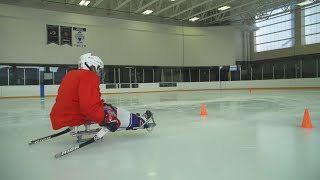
113	126
106	104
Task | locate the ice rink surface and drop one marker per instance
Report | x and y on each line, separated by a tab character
245	136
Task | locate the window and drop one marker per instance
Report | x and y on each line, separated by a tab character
194	74
58	74
177	75
148	75
139	75
16	76
167	75
204	74
276	32
4	71
311	24
31	75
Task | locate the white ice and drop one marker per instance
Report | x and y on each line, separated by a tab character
246	136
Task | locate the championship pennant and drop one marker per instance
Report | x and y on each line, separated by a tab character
79	37
52	34
65	35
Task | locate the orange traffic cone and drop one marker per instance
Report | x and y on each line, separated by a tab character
306	123
203	110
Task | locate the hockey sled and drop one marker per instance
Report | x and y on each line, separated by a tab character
76	132
97	133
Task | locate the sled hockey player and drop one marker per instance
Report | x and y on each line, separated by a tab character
79	101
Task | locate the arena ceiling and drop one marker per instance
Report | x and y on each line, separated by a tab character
177	12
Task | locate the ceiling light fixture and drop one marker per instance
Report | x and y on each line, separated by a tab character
194	19
84	3
224	8
146	12
305	3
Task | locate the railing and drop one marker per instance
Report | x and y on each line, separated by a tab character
129	77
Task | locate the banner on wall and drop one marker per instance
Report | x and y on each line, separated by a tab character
65	35
52	34
79	37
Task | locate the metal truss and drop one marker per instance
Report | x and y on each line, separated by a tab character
145	6
121	4
206	10
189	10
180	11
97	3
171	6
248	11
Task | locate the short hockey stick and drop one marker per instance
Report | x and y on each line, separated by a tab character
98	136
49	137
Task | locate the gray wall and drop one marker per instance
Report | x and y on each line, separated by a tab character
209	46
117	42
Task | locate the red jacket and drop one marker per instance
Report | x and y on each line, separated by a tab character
78	100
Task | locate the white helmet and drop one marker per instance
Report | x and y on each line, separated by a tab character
88	60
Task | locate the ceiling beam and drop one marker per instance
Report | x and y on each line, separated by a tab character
231	9
97	3
289	7
215	7
195	6
272	4
70	1
168	7
145	6
122	4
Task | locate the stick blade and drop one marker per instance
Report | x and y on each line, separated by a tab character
57	155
